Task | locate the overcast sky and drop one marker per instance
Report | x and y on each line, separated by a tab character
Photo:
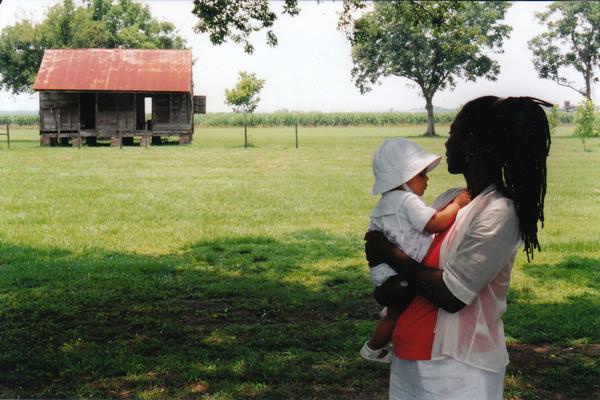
310	68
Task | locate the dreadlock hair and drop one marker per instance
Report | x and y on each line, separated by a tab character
512	138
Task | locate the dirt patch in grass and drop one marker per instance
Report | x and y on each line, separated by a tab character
552	372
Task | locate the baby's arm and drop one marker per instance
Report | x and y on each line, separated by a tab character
445	217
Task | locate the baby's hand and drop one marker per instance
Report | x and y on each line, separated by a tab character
463	198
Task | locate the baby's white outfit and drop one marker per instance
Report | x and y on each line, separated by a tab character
401	216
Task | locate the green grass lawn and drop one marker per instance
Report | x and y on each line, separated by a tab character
217	272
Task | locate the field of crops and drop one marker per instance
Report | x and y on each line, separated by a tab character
313	119
19	119
321	119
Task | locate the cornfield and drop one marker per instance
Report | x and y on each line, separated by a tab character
301	118
320	119
334	119
20	119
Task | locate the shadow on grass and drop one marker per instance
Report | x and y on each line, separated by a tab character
558	342
572	320
249	317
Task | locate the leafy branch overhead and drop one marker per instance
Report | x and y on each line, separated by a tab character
238	19
571	40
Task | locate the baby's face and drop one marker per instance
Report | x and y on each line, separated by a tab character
418	183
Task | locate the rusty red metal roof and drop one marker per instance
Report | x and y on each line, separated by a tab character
115	70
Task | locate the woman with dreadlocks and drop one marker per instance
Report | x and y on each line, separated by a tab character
449	343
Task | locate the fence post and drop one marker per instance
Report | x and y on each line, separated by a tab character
245	133
296	134
8	135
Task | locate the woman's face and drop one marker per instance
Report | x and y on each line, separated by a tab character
456	151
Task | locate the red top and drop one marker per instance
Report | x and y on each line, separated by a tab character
413	334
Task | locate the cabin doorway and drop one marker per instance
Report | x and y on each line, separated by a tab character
87	111
144	113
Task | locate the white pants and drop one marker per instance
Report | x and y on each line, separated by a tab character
445	379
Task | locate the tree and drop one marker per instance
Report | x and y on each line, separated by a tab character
96	24
585	121
469	28
21	53
243	98
433	44
553	119
571	40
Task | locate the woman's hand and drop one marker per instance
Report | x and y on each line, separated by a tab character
376	248
426	281
379	250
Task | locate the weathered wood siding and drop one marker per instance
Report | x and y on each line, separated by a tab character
59	106
116	112
108	113
199	104
171	111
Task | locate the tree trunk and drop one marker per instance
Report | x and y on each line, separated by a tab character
588	84
429	108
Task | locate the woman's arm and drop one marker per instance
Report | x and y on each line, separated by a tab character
427	281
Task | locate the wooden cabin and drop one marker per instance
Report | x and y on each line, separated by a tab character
117	95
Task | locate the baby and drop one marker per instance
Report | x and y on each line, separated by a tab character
400	168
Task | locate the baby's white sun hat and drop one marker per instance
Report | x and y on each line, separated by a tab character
397	161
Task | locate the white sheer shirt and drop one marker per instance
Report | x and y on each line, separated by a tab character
477	257
401	216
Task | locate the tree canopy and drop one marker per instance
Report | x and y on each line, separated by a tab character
244	96
433	44
571	40
96	24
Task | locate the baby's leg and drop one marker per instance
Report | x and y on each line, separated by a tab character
396	295
383	331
